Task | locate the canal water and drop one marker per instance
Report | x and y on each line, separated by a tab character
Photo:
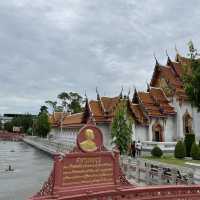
31	168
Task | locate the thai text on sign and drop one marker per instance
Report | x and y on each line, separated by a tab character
88	170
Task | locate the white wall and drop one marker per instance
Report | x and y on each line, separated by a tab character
181	110
140	133
106	131
54	131
170	129
196	122
68	135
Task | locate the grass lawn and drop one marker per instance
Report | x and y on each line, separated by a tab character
171	160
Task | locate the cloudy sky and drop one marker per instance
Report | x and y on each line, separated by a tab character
48	46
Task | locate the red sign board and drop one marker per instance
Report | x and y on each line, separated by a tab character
88	170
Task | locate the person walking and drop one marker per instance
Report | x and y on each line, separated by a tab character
133	149
138	148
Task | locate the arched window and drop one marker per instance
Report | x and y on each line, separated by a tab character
157	132
187	123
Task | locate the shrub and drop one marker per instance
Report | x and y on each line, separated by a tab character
180	151
195	151
156	152
189	140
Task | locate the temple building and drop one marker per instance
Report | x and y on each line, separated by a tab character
169	79
162	114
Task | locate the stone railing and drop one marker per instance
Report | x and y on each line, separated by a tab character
149	172
165	146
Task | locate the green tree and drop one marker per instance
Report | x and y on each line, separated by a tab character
8	126
180	151
64	97
1	124
59	109
122	129
191	77
43	109
71	102
75	105
24	121
52	105
41	125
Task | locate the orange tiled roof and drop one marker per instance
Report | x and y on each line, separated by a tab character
109	103
172	75
139	114
73	120
178	68
159	97
95	108
155	103
55	118
103	110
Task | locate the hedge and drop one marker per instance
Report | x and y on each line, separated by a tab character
180	151
189	140
156	152
195	151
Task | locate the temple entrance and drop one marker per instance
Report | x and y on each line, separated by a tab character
157	133
187	123
157	136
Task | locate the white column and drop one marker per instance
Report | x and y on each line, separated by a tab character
150	136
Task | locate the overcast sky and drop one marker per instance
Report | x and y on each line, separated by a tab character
48	46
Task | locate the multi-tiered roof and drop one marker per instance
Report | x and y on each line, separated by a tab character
169	77
166	82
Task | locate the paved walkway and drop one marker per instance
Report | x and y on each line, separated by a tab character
49	146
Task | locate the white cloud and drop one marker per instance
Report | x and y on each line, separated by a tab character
50	46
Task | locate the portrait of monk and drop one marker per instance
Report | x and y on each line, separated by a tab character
88	144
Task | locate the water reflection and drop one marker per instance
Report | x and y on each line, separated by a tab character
31	169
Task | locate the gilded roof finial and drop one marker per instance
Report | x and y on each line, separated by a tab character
148	87
177	54
129	91
98	95
176	49
121	93
134	94
154	55
86	95
168	58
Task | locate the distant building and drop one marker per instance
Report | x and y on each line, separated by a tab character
17	129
